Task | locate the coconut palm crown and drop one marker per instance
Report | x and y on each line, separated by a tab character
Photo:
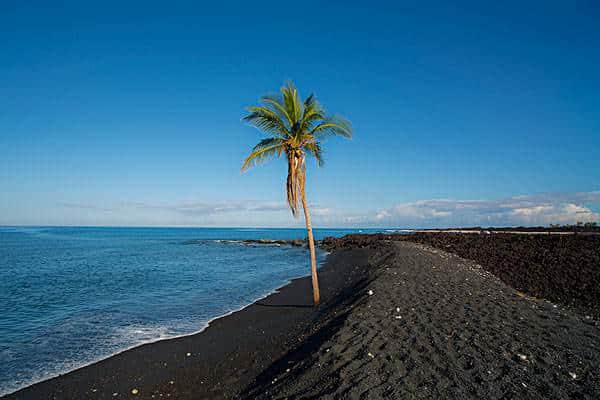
294	128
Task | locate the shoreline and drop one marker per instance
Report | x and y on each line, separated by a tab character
202	325
398	319
153	341
295	293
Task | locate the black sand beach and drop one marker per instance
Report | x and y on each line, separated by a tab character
399	320
224	358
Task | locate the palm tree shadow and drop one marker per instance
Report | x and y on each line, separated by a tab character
258	303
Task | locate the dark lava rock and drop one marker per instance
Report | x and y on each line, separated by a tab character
294	242
564	269
356	241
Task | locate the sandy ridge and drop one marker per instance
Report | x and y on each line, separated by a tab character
438	326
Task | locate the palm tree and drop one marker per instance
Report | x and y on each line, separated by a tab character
295	128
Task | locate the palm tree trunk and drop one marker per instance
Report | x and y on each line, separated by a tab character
311	245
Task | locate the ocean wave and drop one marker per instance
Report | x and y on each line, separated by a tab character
104	297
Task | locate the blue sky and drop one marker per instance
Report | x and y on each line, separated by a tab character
115	114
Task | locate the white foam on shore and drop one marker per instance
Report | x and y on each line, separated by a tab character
132	330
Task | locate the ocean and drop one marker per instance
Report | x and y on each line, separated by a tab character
71	296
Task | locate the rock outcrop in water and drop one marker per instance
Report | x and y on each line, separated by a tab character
267	242
294	242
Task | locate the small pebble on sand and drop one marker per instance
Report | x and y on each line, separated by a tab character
522	357
573	375
371	355
397	309
370	292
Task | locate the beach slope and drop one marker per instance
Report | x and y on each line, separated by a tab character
432	325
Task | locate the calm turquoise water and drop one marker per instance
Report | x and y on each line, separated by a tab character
71	296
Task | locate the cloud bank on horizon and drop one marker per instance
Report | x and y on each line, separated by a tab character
526	210
529	210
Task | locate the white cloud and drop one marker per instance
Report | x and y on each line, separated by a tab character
418	210
383	214
533	211
543	209
320	211
556	214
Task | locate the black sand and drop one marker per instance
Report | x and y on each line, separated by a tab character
564	269
440	327
435	326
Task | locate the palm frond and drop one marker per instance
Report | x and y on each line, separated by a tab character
336	126
267	120
292	103
277	103
312	112
315	150
310	100
263	150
